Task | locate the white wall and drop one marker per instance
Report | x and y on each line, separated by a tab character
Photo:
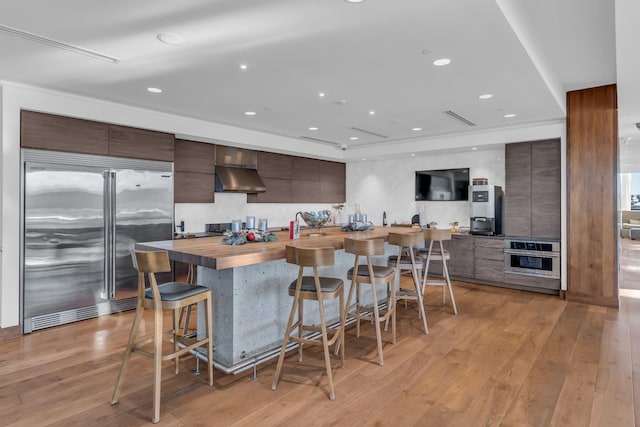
389	185
377	186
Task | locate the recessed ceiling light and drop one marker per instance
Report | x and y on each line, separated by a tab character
508	116
413	154
441	62
474	148
354	1
321	94
313	128
363	159
250	113
354	138
372	113
170	38
416	129
486	96
154	89
243	66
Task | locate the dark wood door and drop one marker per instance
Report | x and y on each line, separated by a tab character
545	189
58	133
517	195
140	143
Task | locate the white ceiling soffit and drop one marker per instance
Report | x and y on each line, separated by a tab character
373	61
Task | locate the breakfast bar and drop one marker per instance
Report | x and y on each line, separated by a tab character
249	282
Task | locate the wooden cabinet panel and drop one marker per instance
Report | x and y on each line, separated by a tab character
490	270
332	172
533	281
309	180
273	165
278	191
517	198
545	189
193	187
306	169
140	143
192	156
332	192
462	263
58	133
305	191
489	259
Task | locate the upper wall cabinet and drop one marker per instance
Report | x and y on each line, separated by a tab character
140	143
292	179
194	169
532	190
59	133
51	132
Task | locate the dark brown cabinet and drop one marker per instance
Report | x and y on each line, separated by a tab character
192	156
461	264
58	133
140	143
545	189
532	190
292	179
194	172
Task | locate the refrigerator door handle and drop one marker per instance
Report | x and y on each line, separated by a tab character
106	287
112	227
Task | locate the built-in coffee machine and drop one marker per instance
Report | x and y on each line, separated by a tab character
485	207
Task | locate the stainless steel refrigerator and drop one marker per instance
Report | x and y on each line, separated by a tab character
81	217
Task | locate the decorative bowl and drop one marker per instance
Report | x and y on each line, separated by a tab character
316	219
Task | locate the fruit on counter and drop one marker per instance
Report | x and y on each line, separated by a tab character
251	236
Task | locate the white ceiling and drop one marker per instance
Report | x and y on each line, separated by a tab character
375	55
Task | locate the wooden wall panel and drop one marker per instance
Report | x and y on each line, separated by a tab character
592	167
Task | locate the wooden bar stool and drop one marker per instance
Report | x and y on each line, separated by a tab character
314	288
437	253
373	275
407	244
168	296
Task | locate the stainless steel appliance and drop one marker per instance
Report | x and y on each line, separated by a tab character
485	207
81	216
532	258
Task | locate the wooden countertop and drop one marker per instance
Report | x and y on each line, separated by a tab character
212	253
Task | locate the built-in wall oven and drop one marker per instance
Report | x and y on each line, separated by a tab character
532	258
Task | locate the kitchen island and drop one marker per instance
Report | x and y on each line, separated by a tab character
249	283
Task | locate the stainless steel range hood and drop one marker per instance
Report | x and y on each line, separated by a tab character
236	171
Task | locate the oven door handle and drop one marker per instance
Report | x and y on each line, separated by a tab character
539	254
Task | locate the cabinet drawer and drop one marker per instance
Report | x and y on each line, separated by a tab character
489	243
490	253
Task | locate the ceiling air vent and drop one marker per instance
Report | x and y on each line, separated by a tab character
368	132
459	117
322	141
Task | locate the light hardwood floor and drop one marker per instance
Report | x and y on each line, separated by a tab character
508	358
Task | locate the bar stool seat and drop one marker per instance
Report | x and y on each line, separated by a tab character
172	296
314	288
372	275
435	251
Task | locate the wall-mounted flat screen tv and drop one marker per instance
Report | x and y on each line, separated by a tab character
442	185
